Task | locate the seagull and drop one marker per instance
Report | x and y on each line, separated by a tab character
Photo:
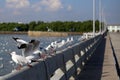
61	44
51	49
43	53
20	60
29	49
72	39
54	44
68	40
29	52
58	45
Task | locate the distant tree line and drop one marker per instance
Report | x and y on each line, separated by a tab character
58	26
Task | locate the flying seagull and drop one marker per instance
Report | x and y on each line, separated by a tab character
29	49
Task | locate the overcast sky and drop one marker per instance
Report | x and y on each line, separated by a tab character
52	10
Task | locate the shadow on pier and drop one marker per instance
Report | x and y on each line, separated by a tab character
93	68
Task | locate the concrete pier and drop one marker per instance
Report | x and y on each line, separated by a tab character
91	59
101	66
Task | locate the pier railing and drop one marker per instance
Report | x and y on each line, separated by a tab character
65	65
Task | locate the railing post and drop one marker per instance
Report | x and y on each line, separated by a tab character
48	78
64	67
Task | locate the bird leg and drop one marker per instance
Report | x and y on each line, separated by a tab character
53	52
30	66
43	56
19	67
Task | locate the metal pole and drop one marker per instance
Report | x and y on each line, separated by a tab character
93	18
100	16
102	21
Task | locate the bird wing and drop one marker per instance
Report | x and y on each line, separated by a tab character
20	41
36	45
28	50
22	46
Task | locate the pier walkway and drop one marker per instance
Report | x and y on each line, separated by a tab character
101	65
115	40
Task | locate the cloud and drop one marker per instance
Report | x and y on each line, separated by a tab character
49	5
17	4
69	8
37	7
52	5
17	13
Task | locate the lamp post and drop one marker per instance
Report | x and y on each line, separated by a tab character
93	18
100	16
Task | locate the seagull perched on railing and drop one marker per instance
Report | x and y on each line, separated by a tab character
20	60
51	49
57	45
69	40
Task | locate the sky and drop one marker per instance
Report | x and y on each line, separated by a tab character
58	10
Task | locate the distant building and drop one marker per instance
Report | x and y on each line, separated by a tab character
113	28
20	22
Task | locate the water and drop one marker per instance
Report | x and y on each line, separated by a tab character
7	45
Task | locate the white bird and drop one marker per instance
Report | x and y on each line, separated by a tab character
50	49
69	39
54	44
30	52
43	53
20	60
29	49
82	38
72	39
60	44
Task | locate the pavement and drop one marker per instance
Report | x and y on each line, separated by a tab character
101	66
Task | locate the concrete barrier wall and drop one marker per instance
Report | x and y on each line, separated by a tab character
65	65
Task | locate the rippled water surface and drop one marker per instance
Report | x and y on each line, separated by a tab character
7	45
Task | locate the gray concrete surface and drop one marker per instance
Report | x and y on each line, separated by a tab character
115	38
101	65
115	41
